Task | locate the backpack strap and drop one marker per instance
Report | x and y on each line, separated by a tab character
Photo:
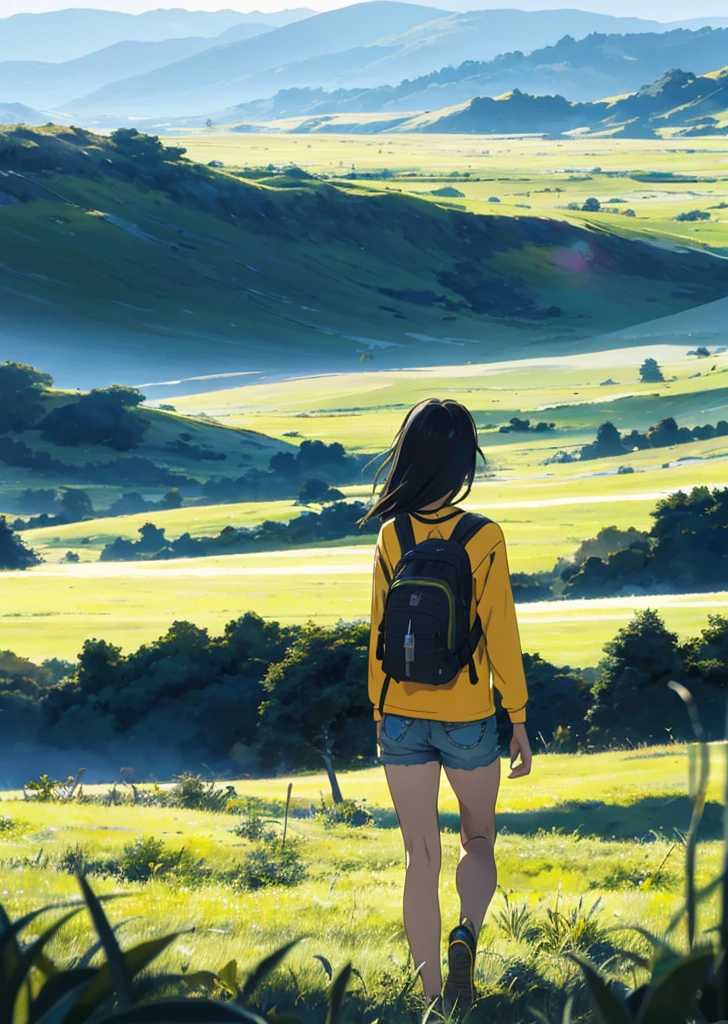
465	529
405	533
383	694
467	526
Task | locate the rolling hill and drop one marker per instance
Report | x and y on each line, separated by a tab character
70	33
579	70
18	113
121	260
695	104
368	44
50	85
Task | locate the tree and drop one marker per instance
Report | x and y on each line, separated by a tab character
650	372
75	505
608	443
13	552
313	490
706	656
21	390
592	205
630	696
315	706
107	416
667	432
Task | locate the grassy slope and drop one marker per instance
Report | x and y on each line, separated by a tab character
593	810
183	287
521	172
243	449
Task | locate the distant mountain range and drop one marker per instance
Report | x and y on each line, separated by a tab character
677	100
58	36
364	45
579	70
19	113
52	85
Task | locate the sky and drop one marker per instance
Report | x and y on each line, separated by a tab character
659	10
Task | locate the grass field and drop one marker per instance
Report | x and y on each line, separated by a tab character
589	826
546	511
526	174
50	611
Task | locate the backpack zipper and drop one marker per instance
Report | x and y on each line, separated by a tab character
448	593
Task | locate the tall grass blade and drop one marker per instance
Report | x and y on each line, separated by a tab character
264	968
698	798
185	1011
117	966
103	985
12	987
723	933
609	1008
336	993
59	994
325	964
671	1000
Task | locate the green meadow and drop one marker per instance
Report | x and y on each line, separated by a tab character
546	510
524	173
582	827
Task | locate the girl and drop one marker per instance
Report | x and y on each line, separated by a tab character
422	727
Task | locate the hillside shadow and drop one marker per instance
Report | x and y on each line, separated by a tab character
659	814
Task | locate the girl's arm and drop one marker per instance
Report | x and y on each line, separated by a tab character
498	615
379	594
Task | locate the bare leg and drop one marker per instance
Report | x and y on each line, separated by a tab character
414	790
477	791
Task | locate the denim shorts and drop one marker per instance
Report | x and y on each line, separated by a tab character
411	741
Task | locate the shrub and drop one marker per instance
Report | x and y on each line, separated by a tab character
253	827
572	930
347	812
693	215
194	793
146	857
268	864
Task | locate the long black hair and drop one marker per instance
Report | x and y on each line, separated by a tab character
433	455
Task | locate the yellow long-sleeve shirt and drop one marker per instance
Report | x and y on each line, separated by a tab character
498	658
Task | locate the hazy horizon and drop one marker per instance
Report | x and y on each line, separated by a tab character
657	10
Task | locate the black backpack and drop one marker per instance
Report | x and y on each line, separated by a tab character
425	635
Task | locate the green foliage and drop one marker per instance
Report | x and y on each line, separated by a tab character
567	931
21	391
33	989
626	697
515	920
684	987
147	857
650	372
268	863
345	812
195	793
104	416
338	520
315	701
13	552
693	215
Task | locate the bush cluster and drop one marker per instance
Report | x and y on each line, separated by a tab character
338	520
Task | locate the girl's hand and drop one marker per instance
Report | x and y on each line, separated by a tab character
520	747
379	729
